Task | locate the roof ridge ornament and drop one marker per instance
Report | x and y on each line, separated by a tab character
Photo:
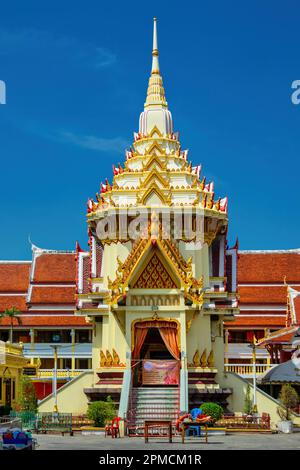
155	93
155	53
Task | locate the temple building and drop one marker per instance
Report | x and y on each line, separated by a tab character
159	309
150	293
269	294
43	291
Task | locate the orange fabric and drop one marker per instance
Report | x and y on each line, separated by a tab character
139	338
169	336
168	332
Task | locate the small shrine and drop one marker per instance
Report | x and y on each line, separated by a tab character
159	279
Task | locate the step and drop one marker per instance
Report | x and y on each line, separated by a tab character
173	411
153	403
162	406
155	395
162	391
159	402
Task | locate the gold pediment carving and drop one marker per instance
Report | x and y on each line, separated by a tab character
155	149
155	132
155	161
153	177
154	276
151	191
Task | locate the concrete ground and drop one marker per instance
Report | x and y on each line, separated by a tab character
230	441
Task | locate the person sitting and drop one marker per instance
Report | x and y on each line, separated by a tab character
195	413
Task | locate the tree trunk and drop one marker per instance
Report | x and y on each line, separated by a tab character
11	331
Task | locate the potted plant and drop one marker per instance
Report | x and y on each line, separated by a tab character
289	399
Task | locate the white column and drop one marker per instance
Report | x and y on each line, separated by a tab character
184	390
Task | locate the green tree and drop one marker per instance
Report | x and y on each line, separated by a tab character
12	314
101	411
27	400
248	401
289	399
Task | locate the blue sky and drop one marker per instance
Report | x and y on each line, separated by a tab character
76	76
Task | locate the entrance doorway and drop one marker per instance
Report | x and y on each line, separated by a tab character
154	347
156	356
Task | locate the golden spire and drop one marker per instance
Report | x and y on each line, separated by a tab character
156	92
155	62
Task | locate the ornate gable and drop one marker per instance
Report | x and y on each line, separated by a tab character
154	276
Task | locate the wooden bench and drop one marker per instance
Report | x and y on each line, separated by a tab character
79	421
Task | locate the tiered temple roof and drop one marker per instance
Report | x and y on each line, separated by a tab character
156	170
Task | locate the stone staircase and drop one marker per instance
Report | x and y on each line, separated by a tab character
157	403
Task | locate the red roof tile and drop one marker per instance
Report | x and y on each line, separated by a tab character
261	321
9	301
268	267
52	295
55	268
36	320
14	277
263	295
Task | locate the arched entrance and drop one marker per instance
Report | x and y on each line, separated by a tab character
156	353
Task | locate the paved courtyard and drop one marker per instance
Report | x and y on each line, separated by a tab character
230	441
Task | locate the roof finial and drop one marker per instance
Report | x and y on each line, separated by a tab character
155	62
156	93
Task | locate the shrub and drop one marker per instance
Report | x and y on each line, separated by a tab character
27	400
248	401
101	411
212	409
289	400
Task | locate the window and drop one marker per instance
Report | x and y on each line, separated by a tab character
82	336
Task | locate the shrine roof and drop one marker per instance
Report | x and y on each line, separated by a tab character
287	372
281	336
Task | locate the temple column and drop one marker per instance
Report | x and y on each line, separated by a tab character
73	349
226	346
184	391
31	334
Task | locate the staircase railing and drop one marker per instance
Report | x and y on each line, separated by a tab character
126	386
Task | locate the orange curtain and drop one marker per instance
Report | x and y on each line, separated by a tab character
169	336
168	332
139	338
